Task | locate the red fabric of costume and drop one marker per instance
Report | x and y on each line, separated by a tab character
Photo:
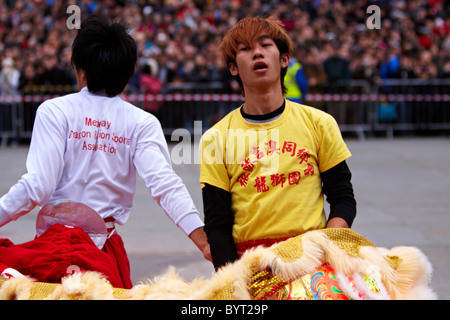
241	247
62	250
115	248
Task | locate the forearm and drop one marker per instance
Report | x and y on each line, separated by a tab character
342	209
218	225
338	190
16	203
198	237
223	248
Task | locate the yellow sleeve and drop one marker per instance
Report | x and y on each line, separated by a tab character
332	148
213	169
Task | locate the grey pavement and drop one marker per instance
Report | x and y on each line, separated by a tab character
401	186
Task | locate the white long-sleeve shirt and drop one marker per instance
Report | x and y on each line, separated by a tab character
87	147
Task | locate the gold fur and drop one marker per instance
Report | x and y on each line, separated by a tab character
402	272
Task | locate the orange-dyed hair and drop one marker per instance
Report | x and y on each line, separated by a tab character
246	31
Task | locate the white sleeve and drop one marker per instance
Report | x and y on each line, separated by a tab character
44	168
153	163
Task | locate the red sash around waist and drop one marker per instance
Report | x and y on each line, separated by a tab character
246	245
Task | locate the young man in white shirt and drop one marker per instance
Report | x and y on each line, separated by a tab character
87	147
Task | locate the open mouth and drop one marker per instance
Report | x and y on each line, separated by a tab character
259	66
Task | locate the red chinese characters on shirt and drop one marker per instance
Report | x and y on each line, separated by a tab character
260	184
247	165
303	155
276	180
289	147
309	170
259	154
243	179
294	177
271	148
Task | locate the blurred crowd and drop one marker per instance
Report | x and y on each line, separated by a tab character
178	39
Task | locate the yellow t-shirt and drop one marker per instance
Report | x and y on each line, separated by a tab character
272	170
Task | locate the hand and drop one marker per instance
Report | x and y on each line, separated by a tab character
198	236
337	223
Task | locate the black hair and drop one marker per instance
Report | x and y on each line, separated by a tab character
106	52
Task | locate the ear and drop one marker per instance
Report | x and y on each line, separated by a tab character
83	75
81	78
233	69
284	60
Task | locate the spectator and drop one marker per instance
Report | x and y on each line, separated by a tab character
177	31
53	74
27	77
367	69
9	78
337	68
295	79
314	71
390	64
445	73
203	71
150	84
406	70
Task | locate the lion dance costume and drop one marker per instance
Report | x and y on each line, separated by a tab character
336	264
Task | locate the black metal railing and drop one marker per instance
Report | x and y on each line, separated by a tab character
407	106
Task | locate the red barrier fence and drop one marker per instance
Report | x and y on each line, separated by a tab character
407	106
238	97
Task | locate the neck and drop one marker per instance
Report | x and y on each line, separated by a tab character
258	102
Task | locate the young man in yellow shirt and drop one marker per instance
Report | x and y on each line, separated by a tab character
266	166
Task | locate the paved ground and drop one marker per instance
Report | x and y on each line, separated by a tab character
401	186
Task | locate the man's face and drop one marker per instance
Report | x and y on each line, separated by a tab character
259	66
